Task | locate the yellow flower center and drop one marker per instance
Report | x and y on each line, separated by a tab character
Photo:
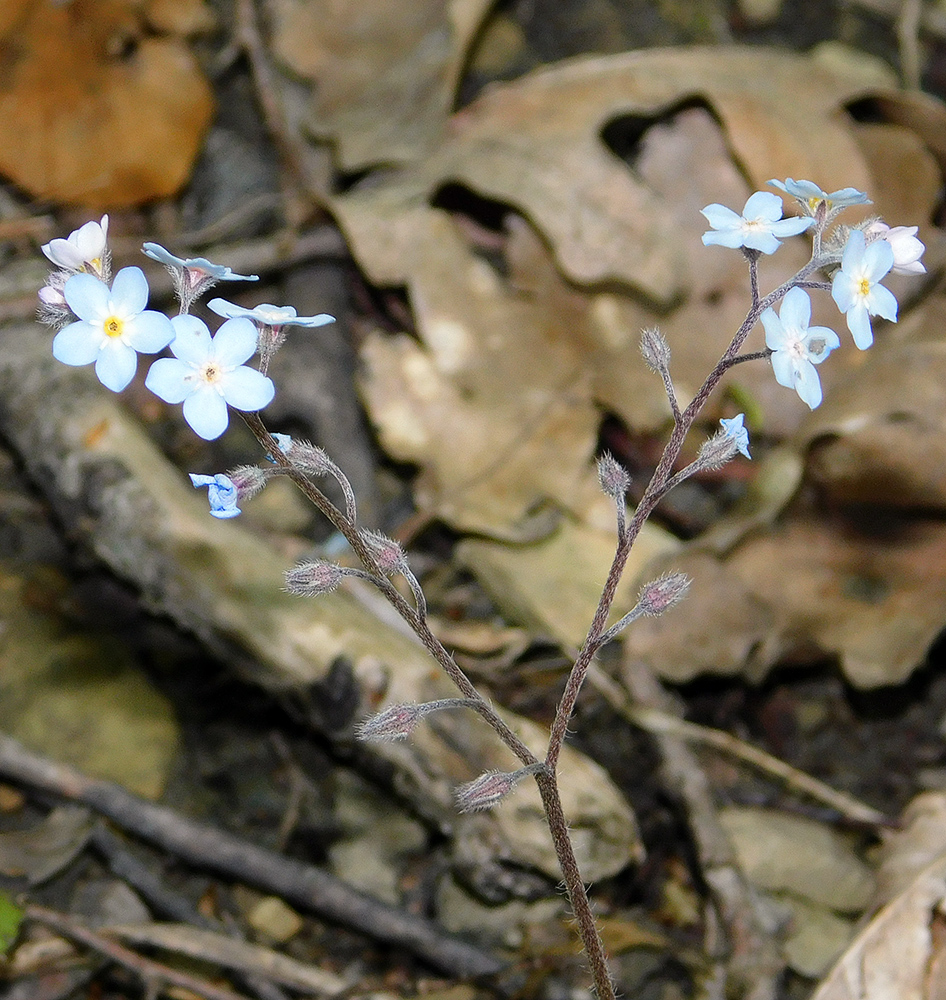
211	373
863	287
113	326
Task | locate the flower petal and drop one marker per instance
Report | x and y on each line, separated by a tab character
77	344
235	342
130	291
149	332
191	341
247	389
87	296
116	365
796	309
858	322
206	412
168	378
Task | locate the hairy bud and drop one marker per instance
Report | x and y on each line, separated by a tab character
613	477
490	788
387	553
660	594
310	458
715	452
312	579
399	721
248	479
655	349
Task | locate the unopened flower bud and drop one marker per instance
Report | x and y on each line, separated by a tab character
310	458
313	579
655	349
660	594
248	479
387	553
394	723
490	788
716	451
907	249
613	477
399	721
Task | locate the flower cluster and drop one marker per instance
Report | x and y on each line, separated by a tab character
108	326
862	258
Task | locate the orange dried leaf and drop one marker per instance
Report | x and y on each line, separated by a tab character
94	113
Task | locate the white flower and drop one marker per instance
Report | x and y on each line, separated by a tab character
267	315
757	228
113	325
907	249
83	249
207	373
797	347
856	289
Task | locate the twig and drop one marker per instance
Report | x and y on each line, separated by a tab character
146	968
304	885
754	960
663	723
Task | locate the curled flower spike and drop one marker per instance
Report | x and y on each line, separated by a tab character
856	288
907	249
733	428
267	315
207	374
811	197
222	493
796	347
760	227
113	326
85	249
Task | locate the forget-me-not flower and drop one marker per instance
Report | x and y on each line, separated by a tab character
222	493
733	428
266	315
810	196
758	228
856	289
208	373
113	325
798	347
83	250
216	271
907	249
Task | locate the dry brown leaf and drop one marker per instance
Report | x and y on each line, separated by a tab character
386	73
894	956
94	112
876	599
917	841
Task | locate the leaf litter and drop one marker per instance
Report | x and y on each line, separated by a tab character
525	337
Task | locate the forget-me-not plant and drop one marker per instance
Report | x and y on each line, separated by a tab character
209	373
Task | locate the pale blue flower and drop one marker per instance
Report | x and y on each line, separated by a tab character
222	493
798	347
207	373
113	325
758	228
267	315
732	426
855	287
200	264
809	195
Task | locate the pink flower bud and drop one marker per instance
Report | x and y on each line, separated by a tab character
613	476
387	553
660	594
394	723
248	479
313	578
491	787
